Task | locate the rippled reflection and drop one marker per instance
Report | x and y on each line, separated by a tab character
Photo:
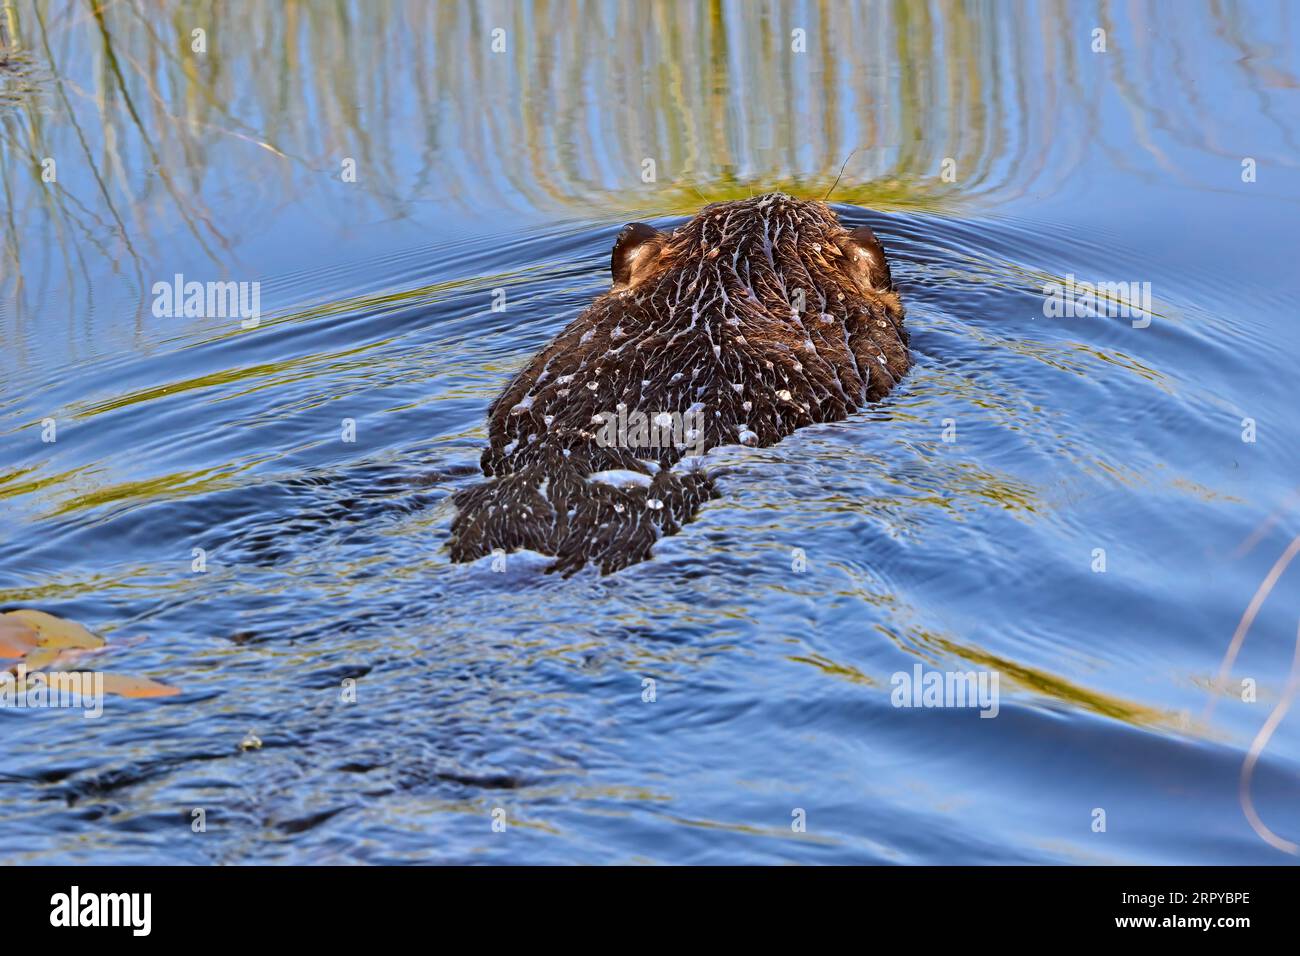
150	140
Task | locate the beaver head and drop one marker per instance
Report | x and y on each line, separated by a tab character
752	319
763	314
841	257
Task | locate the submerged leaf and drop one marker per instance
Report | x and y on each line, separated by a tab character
55	631
43	657
16	638
44	642
126	686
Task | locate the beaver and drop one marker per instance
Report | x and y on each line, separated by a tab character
752	319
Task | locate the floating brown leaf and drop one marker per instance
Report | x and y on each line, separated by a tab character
42	641
55	632
125	686
16	638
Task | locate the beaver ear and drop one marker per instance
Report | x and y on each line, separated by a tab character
635	250
866	253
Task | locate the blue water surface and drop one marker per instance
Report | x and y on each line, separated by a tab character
1074	505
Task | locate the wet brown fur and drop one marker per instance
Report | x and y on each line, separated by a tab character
706	315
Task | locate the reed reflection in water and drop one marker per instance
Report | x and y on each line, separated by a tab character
155	143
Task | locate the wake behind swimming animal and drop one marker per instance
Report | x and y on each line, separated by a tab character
753	319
